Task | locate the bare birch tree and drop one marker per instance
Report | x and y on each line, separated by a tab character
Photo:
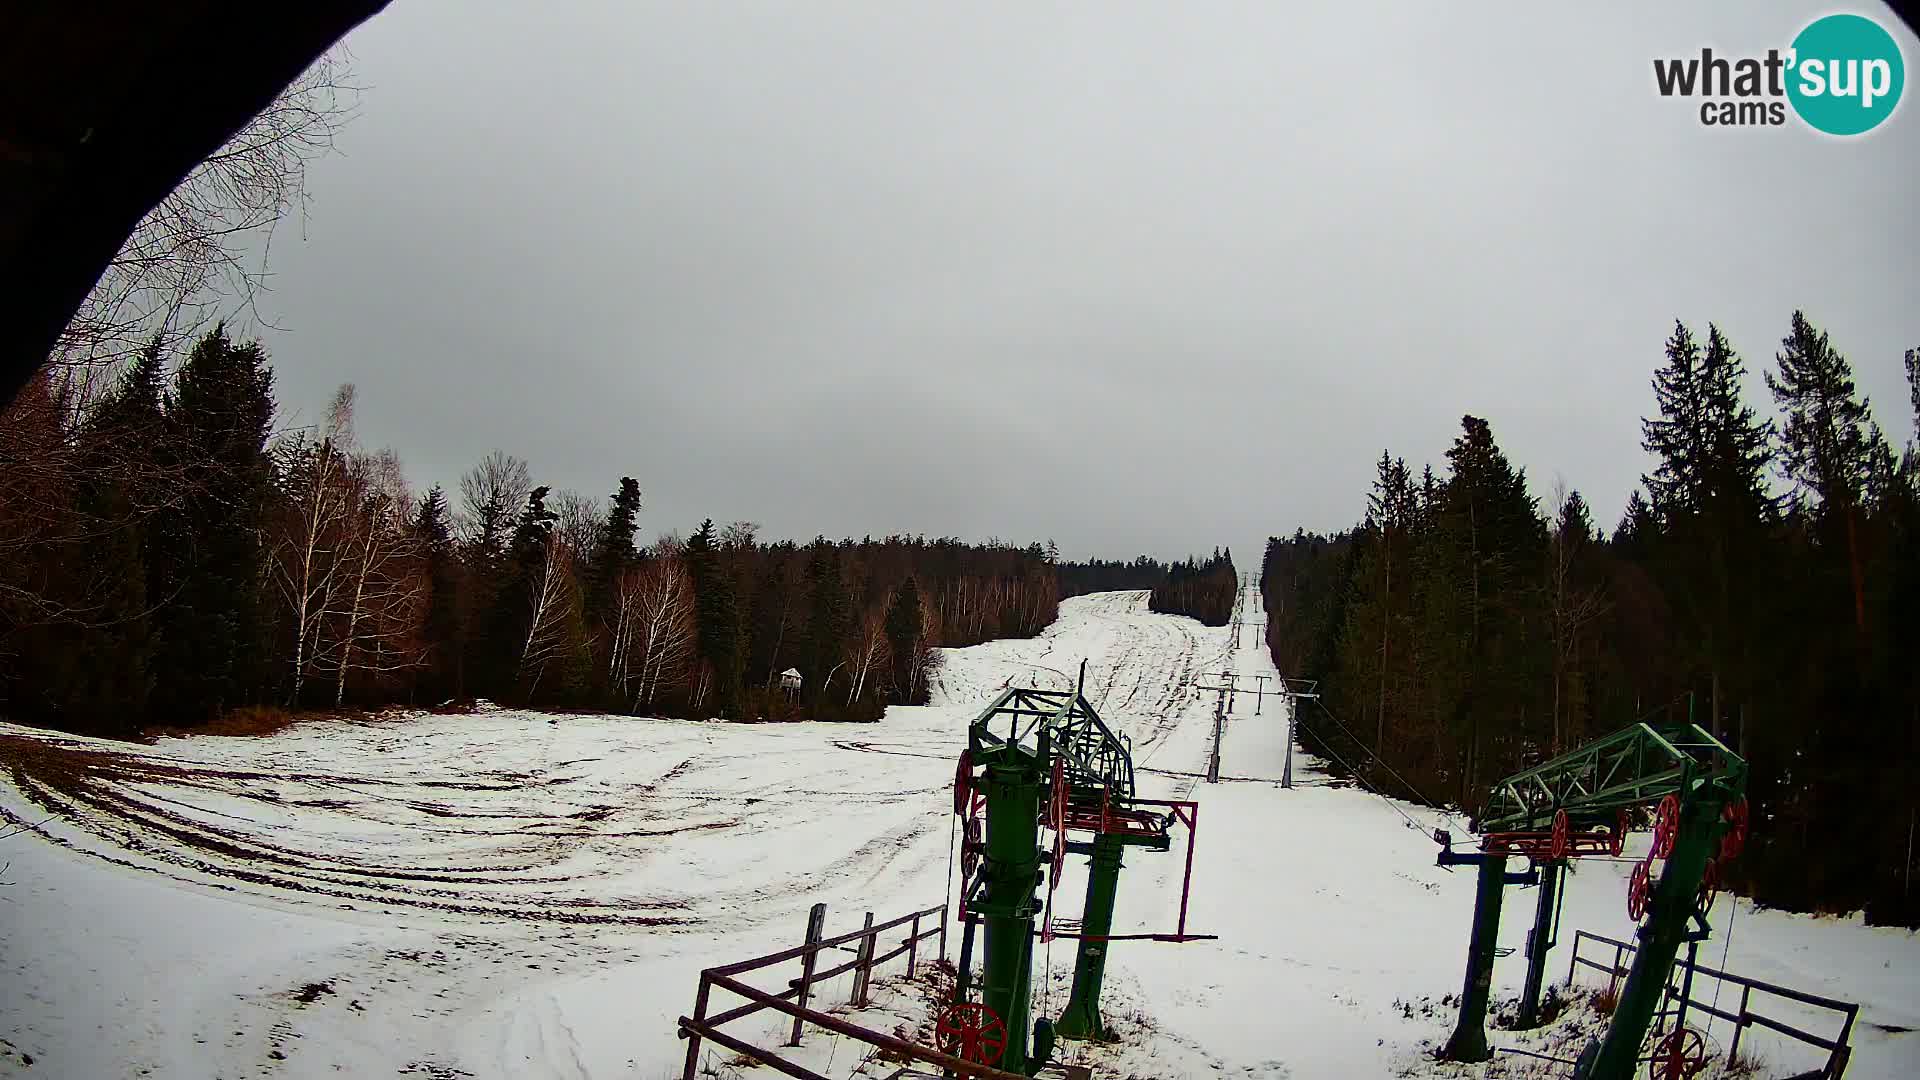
306	567
868	650
386	594
664	631
579	519
552	603
208	242
491	495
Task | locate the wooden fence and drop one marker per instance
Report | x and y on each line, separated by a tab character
793	1000
1680	1000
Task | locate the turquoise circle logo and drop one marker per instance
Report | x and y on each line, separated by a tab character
1846	74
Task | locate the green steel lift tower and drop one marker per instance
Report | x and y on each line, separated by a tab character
1582	803
1043	759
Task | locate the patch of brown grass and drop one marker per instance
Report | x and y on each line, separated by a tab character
247	721
1605	1001
1745	1063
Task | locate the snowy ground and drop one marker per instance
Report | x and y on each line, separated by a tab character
512	894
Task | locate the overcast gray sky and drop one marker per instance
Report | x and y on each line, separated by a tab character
1134	276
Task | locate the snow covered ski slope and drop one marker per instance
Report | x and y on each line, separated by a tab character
516	894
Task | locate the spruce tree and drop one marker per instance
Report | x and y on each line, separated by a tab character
514	607
100	672
443	628
1492	538
1381	590
1829	447
613	550
715	618
1913	387
1709	494
771	615
214	627
827	618
1677	437
1637	527
906	628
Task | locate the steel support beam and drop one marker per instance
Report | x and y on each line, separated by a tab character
1081	1018
1012	865
1469	1041
1539	941
1669	911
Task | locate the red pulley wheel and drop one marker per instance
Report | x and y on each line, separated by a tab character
1735	840
1709	886
1639	886
970	848
1680	1055
1666	826
1562	831
1618	841
971	1032
963	782
1057	819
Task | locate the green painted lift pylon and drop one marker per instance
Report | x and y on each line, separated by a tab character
1592	786
1081	1018
1668	913
1017	743
1539	941
1469	1040
1011	869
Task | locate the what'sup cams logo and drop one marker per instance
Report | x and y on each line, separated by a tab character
1842	75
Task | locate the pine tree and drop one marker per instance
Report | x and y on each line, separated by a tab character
1913	387
613	550
611	556
101	675
1381	586
1709	494
906	632
770	622
827	618
214	629
715	618
1638	527
444	627
1829	447
1574	601
1491	537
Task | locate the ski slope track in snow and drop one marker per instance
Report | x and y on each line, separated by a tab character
515	894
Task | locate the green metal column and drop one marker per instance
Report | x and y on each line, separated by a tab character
1469	1041
1081	1018
1012	866
1668	912
1539	941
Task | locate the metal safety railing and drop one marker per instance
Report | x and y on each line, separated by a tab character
792	1001
1679	1001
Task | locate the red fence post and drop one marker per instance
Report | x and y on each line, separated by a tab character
913	945
816	929
863	969
1740	1025
1186	883
693	1037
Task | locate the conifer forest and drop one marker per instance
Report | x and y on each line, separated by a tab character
1762	582
169	556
